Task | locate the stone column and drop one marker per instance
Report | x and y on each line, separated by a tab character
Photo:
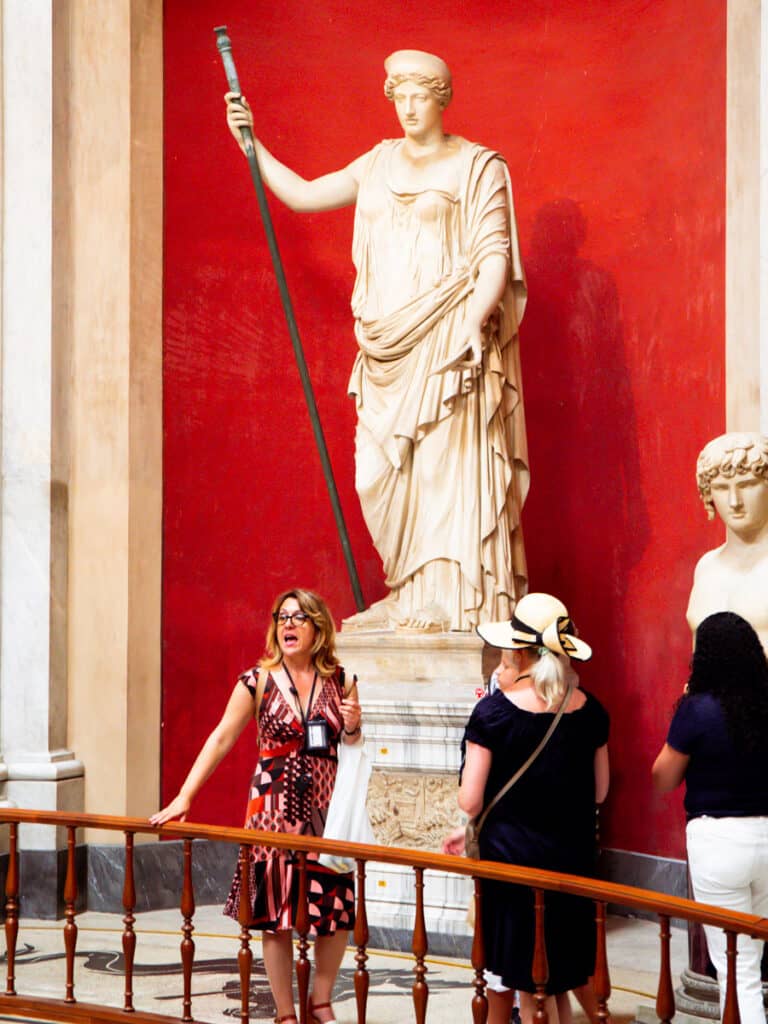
42	770
113	307
80	550
746	245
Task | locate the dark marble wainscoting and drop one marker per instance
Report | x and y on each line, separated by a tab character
100	874
157	869
42	874
659	874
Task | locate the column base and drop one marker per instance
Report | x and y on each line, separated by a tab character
47	786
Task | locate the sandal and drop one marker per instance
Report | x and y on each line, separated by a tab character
314	1019
286	1017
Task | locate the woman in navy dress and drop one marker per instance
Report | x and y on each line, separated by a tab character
546	820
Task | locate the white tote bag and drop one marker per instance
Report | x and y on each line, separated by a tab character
347	817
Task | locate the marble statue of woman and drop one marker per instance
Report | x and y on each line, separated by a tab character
440	447
732	474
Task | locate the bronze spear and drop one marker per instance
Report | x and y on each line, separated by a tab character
225	49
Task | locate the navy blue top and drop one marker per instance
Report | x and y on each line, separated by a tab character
547	819
720	781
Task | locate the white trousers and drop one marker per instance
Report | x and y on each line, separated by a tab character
728	863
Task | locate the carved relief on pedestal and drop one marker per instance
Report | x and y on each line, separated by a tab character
412	809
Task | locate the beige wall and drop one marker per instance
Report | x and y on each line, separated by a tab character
109	251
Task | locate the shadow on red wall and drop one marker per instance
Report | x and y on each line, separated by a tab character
587	463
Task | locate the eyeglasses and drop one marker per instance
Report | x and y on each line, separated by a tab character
290	618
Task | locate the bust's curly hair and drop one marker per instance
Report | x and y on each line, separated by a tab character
441	89
728	455
729	662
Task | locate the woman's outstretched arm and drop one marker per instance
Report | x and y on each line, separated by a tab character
237	714
329	192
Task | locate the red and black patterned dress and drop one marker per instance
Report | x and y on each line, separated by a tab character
277	804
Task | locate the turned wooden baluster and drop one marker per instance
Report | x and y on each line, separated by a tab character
244	954
731	1013
302	927
129	935
12	907
419	947
479	1000
187	943
70	928
665	996
540	968
601	982
361	936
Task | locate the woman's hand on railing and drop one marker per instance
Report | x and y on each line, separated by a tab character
454	841
177	808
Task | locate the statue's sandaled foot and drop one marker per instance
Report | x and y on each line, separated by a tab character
429	619
381	615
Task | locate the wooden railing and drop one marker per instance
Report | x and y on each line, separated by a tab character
602	893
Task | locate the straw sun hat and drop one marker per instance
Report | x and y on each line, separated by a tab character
539	620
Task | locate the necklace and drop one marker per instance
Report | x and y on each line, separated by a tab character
525	675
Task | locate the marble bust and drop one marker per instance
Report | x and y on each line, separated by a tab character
440	446
732	474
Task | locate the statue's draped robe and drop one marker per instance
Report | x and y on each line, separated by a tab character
441	454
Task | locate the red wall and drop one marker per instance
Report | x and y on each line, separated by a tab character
612	120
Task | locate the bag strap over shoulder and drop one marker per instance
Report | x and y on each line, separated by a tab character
524	768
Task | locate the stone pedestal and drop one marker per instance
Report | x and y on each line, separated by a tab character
417	693
420	665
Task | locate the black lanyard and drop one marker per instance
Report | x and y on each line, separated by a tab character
295	693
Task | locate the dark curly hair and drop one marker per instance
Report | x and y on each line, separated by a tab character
729	662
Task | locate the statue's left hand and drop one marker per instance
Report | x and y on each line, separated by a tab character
472	350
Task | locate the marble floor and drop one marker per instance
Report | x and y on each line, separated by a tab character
632	948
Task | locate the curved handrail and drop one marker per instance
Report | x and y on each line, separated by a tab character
592	888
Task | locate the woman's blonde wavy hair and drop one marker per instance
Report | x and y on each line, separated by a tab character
548	675
323	649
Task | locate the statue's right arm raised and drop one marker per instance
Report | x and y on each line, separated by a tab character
328	192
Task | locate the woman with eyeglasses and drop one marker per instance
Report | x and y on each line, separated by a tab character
303	711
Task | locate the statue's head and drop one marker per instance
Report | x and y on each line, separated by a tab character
425	69
737	456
